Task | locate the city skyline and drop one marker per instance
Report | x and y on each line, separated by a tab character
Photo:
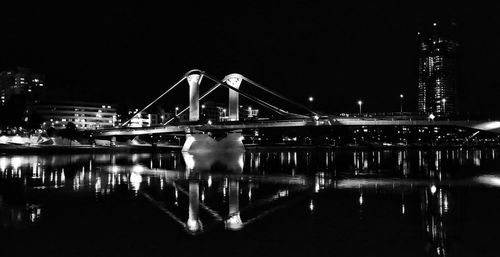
108	53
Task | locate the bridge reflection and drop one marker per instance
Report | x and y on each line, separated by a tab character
202	192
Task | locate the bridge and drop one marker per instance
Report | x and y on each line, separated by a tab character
196	132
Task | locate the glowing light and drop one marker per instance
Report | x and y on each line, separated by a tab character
234	222
488	125
241	161
310	99
135	180
433	189
194	225
490	180
17	140
311	205
3	163
137	168
16	162
361	199
209	181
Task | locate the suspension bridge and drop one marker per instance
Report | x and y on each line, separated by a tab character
196	131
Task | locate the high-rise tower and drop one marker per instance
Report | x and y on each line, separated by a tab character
437	70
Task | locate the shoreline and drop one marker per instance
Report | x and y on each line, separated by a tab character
15	149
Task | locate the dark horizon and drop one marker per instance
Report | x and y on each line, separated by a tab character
131	54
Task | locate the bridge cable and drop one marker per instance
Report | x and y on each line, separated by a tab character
154	101
278	95
252	98
187	108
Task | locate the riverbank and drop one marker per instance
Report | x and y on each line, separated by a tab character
53	149
362	147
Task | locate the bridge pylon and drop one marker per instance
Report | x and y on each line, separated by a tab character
194	81
234	80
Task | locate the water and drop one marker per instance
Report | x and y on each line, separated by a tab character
260	203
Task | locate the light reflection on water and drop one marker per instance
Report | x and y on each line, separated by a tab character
202	192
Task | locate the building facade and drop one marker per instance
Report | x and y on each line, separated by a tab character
144	119
21	82
85	115
437	70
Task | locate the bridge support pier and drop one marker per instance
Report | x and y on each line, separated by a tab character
203	143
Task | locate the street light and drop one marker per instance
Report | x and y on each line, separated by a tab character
360	103
176	109
401	96
311	99
444	105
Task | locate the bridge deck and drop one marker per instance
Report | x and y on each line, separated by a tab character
493	126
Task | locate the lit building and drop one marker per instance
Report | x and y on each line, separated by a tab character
21	82
144	119
219	112
248	112
437	71
85	115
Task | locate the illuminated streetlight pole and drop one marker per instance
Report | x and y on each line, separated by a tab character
401	96
360	103
176	109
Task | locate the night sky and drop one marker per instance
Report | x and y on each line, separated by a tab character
336	53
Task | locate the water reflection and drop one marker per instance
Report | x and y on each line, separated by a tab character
202	192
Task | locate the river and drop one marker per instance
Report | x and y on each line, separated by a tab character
258	203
